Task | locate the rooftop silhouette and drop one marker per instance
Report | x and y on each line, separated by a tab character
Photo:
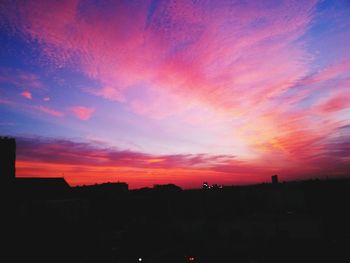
109	223
7	160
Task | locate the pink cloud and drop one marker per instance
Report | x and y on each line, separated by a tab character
46	99
336	103
20	79
83	113
29	108
330	72
8	102
27	95
49	111
108	93
225	53
245	62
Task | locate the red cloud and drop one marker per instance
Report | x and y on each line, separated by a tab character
83	113
27	95
85	163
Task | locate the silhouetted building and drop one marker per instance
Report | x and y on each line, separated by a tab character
118	187
205	185
7	160
215	186
274	179
167	187
42	187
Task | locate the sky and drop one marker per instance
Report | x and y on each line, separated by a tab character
156	92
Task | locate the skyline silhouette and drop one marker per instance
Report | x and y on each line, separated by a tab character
44	219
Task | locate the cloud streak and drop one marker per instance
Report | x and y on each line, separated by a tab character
20	79
47	110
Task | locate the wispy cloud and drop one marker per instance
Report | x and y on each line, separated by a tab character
20	79
336	103
49	111
108	93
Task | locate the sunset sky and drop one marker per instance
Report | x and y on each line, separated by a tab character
151	92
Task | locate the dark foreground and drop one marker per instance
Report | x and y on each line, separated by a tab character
289	222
